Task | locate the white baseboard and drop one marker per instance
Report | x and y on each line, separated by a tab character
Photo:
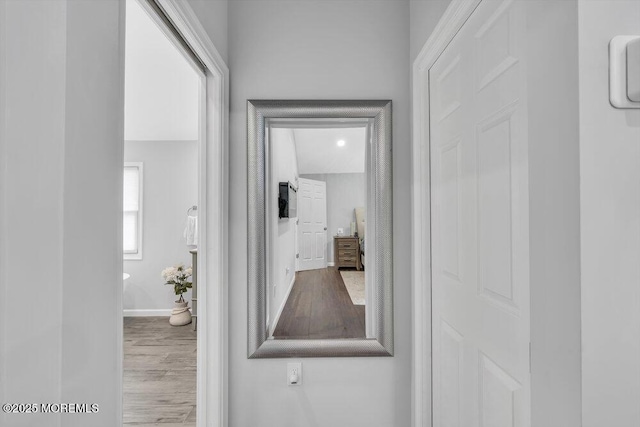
331	264
165	312
284	302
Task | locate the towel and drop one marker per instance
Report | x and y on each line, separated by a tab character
191	231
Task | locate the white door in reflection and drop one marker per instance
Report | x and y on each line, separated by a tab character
312	224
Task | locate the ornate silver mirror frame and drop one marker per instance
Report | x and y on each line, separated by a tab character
259	113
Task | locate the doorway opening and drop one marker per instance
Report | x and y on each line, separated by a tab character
163	132
174	222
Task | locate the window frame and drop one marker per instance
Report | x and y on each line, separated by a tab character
128	255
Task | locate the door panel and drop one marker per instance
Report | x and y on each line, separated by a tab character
480	268
312	224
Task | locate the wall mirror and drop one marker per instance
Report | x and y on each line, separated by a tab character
320	229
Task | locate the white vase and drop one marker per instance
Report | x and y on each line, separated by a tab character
180	315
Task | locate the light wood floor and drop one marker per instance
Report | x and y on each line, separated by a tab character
159	373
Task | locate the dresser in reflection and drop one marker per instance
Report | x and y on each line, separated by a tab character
346	252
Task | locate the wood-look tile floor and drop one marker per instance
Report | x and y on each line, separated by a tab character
159	373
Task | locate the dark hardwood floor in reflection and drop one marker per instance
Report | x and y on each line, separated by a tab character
319	307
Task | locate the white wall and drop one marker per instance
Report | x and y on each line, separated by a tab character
345	192
610	225
170	187
284	168
554	212
213	16
3	207
161	86
32	349
61	208
425	15
351	49
62	83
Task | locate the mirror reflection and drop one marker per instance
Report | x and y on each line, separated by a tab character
317	235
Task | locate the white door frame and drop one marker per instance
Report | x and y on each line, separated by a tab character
453	19
213	197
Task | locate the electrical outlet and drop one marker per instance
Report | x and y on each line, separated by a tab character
294	373
286	270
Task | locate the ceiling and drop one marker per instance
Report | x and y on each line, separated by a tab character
161	86
318	152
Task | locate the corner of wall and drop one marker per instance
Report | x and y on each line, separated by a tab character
554	174
214	17
610	225
3	225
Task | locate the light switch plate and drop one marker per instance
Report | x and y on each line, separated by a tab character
618	82
633	70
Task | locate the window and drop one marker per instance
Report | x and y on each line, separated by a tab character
132	211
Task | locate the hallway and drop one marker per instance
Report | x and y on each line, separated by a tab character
319	307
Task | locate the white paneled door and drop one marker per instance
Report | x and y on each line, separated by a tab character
312	224
480	225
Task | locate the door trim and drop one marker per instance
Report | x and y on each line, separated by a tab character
451	22
213	179
212	357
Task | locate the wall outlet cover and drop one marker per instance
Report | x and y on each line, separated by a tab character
294	373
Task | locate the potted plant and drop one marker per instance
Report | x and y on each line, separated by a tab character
178	276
